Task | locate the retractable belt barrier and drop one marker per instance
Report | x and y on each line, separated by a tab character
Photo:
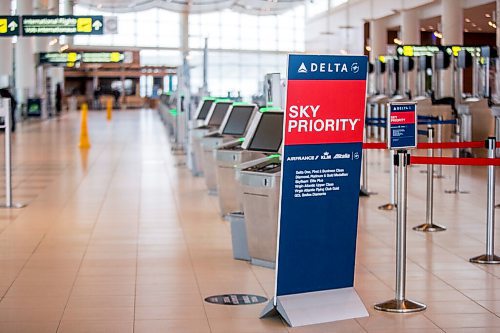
491	162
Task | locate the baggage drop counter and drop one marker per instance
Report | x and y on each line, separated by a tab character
231	155
233	126
212	121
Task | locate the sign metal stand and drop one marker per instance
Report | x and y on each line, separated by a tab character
5	113
402	135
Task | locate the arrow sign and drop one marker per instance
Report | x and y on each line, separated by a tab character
97	25
9	26
13	25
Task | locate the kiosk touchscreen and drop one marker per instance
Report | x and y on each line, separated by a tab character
204	108
237	121
267	135
217	113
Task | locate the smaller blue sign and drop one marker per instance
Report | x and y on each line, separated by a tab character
402	126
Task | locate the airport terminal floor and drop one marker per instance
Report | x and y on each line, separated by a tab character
122	238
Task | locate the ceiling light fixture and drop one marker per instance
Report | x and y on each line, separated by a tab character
467	20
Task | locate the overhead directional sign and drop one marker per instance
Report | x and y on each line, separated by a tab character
56	58
9	26
70	58
103	57
46	25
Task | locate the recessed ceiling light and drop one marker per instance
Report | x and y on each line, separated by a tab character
422	29
479	29
487	15
430	27
466	30
474	25
467	20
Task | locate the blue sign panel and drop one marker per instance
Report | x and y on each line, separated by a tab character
323	136
402	123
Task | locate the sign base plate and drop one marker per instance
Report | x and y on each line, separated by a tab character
317	307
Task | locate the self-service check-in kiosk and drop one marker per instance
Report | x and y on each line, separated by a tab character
233	126
259	187
477	120
212	121
231	155
198	120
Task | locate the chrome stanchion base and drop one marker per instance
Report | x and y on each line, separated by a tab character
15	205
456	192
485	259
398	306
387	206
429	227
365	193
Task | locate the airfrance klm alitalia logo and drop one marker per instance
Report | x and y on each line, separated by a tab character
324	67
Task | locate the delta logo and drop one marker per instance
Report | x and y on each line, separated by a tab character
323	67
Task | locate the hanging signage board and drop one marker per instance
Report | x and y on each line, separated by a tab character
103	57
402	125
56	58
69	59
9	26
49	25
323	137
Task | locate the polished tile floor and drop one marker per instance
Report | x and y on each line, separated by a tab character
121	238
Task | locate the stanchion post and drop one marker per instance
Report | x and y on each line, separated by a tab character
400	304
457	167
392	200
439	172
489	257
363	191
429	225
8	157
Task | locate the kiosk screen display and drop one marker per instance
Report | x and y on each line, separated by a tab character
269	133
205	108
238	120
218	114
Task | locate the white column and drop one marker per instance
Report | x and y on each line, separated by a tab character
68	10
410	27
498	25
410	35
452	28
41	43
378	38
5	50
25	60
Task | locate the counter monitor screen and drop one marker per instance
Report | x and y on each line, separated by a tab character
238	120
269	133
205	108
219	113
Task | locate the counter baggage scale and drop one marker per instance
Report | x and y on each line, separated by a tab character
211	122
229	156
234	126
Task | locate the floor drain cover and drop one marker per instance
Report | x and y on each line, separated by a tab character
236	299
